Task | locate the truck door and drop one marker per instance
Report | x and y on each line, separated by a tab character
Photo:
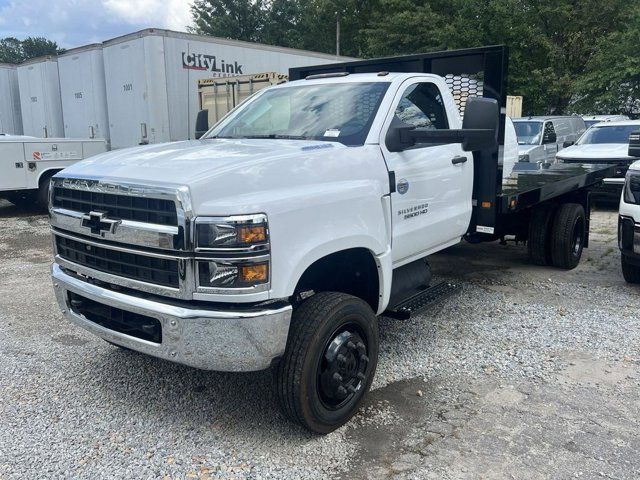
431	207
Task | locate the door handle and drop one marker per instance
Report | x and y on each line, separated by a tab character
459	159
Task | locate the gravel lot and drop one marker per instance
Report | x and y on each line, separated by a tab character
528	373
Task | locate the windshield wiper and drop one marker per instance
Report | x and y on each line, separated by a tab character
276	136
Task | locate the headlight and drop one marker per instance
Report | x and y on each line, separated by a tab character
232	274
237	233
632	187
523	158
232	254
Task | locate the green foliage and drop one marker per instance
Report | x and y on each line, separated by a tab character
236	19
13	50
611	81
565	55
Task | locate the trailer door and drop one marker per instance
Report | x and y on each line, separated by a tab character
432	202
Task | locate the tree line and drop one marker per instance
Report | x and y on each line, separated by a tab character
16	51
566	56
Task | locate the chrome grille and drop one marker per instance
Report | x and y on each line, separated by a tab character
135	266
123	207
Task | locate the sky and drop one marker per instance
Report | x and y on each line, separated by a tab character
73	23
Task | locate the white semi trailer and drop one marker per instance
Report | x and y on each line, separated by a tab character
83	92
10	115
151	74
40	97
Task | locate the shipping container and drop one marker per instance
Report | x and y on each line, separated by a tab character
152	79
219	95
40	97
10	115
83	92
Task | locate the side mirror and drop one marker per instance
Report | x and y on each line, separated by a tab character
479	129
202	123
550	137
568	143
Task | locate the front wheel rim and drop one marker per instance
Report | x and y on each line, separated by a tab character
343	368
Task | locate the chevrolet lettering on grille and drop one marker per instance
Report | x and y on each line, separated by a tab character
98	223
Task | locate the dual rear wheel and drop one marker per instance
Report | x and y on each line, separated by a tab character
557	235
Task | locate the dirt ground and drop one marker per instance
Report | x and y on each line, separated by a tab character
529	372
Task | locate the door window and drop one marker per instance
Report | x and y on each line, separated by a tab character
549	132
422	106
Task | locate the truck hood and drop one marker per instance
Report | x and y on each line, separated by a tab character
601	151
524	149
235	176
192	161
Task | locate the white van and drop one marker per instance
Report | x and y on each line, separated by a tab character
540	138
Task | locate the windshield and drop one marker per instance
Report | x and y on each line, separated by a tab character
607	134
330	112
528	133
590	123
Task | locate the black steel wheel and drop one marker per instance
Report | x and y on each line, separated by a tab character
568	235
329	362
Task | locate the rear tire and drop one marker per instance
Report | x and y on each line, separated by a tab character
329	362
568	236
539	242
630	272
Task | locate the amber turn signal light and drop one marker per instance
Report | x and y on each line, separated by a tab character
257	273
252	234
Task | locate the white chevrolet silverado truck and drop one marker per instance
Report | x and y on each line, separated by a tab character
629	219
276	239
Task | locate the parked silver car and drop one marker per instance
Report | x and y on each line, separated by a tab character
540	138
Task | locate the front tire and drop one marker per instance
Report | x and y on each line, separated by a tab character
630	272
329	362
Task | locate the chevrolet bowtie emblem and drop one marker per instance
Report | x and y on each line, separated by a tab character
98	223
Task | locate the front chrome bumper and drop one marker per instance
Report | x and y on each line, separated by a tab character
201	338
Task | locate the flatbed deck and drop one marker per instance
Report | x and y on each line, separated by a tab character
526	188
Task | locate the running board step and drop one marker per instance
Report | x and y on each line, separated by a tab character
421	301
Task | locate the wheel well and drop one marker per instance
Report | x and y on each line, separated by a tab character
47	174
353	271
